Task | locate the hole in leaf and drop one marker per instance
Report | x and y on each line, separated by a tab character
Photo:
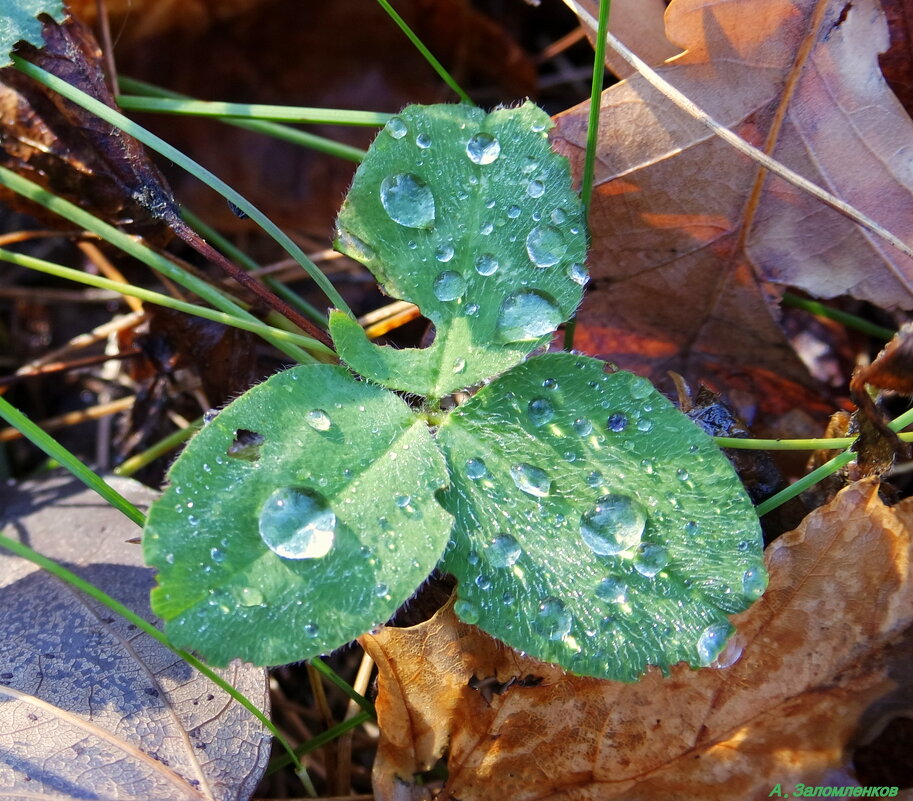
246	445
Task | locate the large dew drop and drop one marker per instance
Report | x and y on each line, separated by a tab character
711	641
483	149
540	411
449	285
297	524
545	246
650	559
408	200
553	620
526	315
531	480
614	524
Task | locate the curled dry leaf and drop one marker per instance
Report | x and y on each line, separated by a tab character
823	654
685	229
92	707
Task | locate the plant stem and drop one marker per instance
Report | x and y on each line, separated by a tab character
160	146
847	319
439	68
320	740
323	668
135	463
117	607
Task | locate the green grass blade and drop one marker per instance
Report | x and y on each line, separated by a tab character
436	65
147	295
332	676
168	151
56	451
139	251
847	319
141	623
136	463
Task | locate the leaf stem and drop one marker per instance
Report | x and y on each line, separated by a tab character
117	607
439	68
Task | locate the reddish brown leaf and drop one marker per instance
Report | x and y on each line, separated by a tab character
826	653
897	61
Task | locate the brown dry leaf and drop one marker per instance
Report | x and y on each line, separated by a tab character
685	229
897	61
826	657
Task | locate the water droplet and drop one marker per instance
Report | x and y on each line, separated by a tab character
504	551
459	366
513	212
473	558
553	620
692	527
217	555
545	245
449	285
358	249
311	630
297	524
712	640
640	388
486	228
402	501
645	424
594	479
472	309
540	411
380	590
612	590
578	274
169	558
408	200
583	427
318	419
423	141
526	315
396	127
617	422
754	582
483	582
483	148
535	189
531	480
251	596
559	216
614	524
476	469
466	611
529	165
444	253
486	264
650	560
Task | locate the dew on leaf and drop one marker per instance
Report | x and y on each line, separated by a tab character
504	551
408	200
466	611
535	189
558	216
483	149
614	524
754	582
423	141
449	285
540	411
297	523
476	469
711	641
578	274
531	480
483	582
486	228
550	383
583	426
311	630
526	315
553	620
650	559
545	245
217	555
513	212
617	422
612	590
396	127
486	264
472	309
444	253
318	419
251	596
459	366
594	478
380	590
645	424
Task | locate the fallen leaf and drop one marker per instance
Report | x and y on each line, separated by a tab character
824	656
897	61
93	708
686	231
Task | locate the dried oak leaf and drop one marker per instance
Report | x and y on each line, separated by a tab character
686	231
71	152
825	653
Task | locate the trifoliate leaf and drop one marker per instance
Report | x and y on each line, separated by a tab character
595	525
471	216
19	23
299	518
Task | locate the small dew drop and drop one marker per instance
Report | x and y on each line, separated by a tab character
612	590
466	611
504	551
614	524
526	315
408	200
486	264
396	127
423	141
513	212
754	582
449	285
545	246
380	590
318	419
535	189
297	524
594	479
476	469
531	480
578	274
402	501
650	560
645	424
711	641
483	582
311	630
540	411
483	149
553	620
217	555
251	596
550	383
617	422
472	309
459	366
486	228
583	427
444	253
